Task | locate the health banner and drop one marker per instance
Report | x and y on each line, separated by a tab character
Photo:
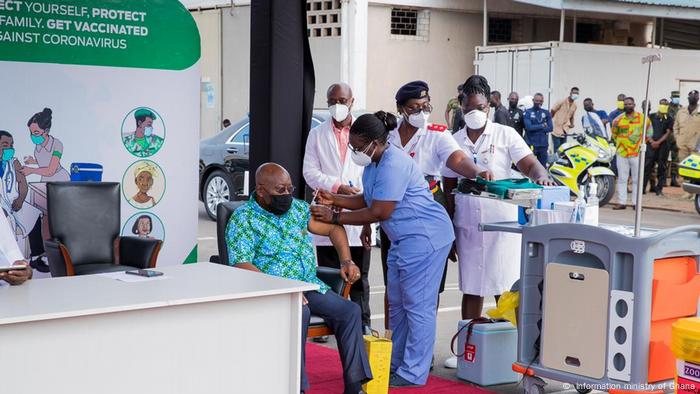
101	90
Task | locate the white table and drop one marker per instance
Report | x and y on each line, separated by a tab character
206	328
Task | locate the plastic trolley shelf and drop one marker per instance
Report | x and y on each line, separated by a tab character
597	304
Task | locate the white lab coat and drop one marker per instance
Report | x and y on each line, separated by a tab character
322	170
9	250
489	262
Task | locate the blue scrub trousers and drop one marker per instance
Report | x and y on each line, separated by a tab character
414	273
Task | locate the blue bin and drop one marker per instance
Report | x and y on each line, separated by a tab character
82	172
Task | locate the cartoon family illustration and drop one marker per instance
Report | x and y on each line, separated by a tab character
24	203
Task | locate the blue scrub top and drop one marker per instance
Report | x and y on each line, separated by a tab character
418	220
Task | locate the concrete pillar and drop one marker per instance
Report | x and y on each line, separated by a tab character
353	48
562	24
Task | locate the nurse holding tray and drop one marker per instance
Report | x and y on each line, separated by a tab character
489	262
421	234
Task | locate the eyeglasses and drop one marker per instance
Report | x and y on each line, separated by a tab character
363	150
427	108
285	189
342	101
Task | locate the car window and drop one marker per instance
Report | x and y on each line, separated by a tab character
242	136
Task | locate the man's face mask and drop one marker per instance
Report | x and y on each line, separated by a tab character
279	204
8	154
663	108
620	105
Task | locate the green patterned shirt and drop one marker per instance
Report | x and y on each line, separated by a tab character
143	147
279	246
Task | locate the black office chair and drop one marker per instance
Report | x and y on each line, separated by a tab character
329	276
84	222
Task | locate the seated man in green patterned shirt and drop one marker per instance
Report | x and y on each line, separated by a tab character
270	234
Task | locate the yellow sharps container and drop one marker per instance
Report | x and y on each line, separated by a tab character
685	344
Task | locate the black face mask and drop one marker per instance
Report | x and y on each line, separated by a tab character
513	104
280	204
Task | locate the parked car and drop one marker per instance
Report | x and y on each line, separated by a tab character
223	161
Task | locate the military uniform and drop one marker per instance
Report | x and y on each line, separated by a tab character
672	145
150	143
143	147
686	127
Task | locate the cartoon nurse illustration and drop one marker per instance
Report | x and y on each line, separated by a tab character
47	152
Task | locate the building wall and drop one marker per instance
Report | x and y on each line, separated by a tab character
325	52
225	38
209	26
236	62
444	60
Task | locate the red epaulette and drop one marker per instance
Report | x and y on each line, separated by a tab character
437	127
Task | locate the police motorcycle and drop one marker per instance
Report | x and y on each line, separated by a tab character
584	160
689	169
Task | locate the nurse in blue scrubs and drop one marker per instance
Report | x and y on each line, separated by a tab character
421	234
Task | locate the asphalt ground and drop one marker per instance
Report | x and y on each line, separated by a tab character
449	311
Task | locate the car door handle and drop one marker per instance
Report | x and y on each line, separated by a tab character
231	150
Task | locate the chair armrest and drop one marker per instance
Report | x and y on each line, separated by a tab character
60	262
139	252
331	277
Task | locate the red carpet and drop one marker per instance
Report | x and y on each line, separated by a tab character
326	376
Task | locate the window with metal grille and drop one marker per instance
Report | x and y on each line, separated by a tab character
323	18
500	30
404	21
410	24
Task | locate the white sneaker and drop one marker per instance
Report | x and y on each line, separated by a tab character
451	363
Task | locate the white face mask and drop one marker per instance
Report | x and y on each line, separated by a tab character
574	97
362	159
475	119
419	120
339	112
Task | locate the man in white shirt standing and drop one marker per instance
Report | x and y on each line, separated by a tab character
11	255
327	166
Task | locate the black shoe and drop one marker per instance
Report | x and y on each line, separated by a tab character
323	339
659	192
397	381
619	207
